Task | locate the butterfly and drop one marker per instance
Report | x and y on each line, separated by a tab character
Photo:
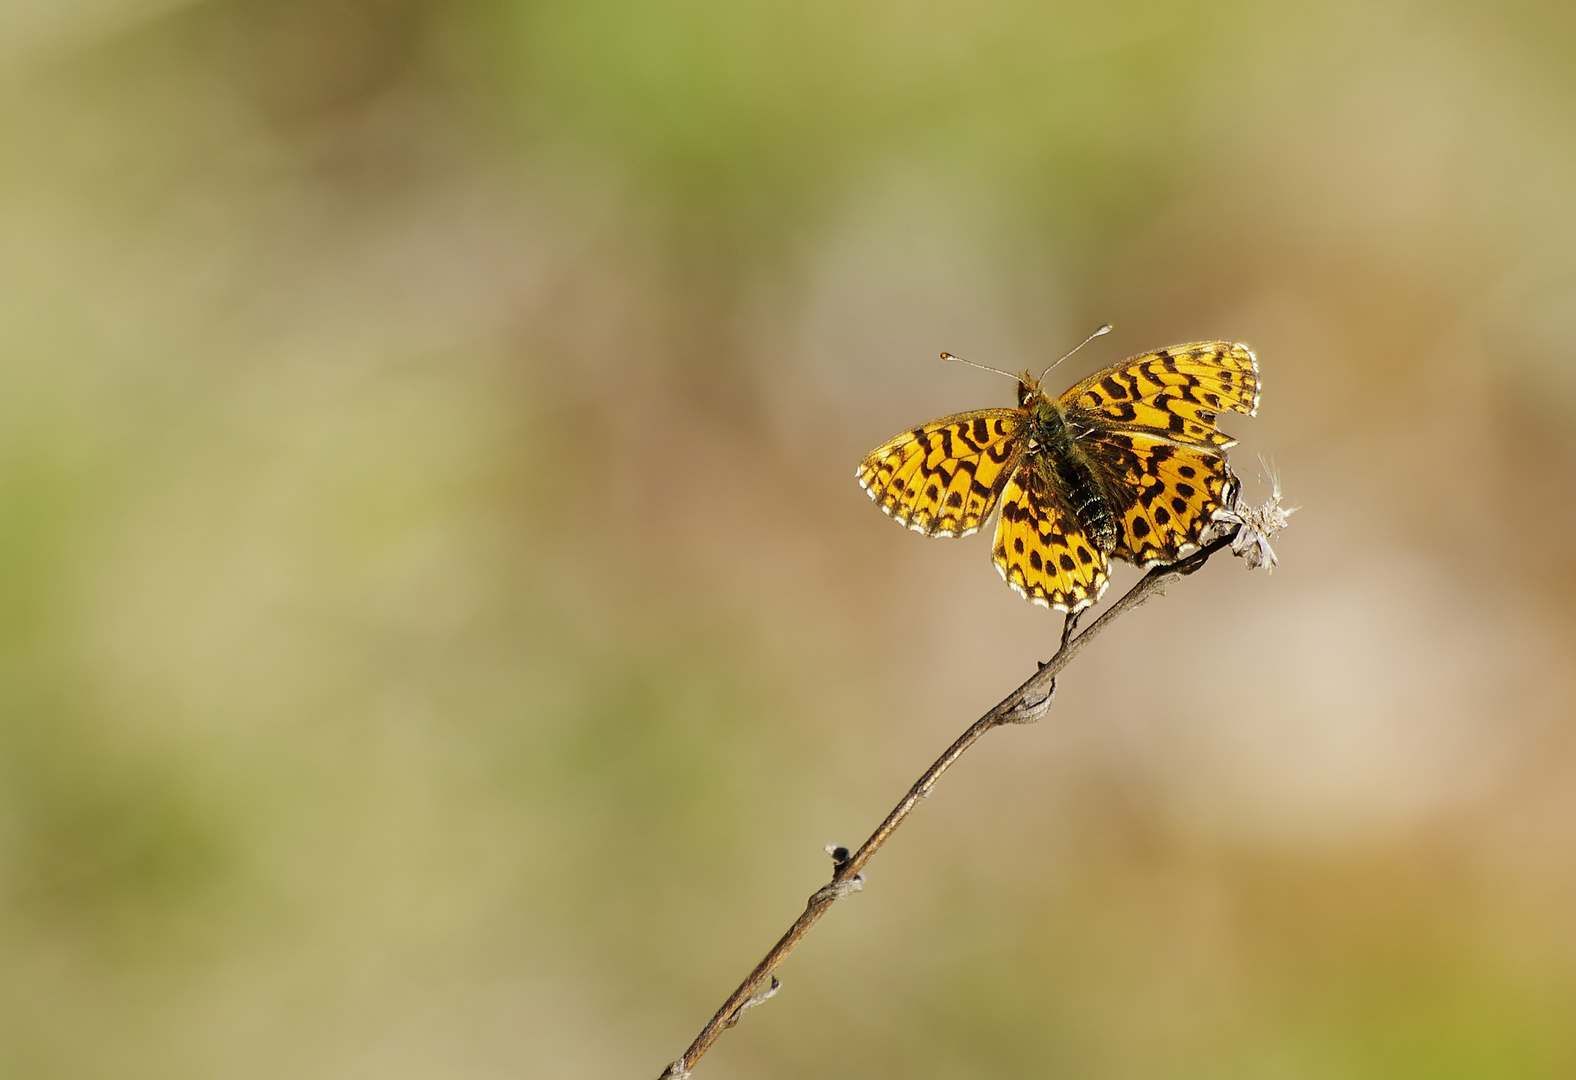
1127	465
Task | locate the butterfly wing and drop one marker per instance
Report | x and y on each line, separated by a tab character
1150	423
943	479
1041	551
1171	492
1175	393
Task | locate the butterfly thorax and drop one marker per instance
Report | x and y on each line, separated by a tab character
1064	473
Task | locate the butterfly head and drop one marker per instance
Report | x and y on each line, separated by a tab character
1028	389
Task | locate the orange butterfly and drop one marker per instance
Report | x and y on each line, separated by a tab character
1127	464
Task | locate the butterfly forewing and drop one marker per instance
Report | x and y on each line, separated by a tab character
943	479
1041	551
1176	392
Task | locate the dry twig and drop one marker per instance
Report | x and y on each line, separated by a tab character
1024	705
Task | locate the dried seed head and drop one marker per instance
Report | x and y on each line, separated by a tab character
1256	525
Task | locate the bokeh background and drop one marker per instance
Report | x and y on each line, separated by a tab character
439	627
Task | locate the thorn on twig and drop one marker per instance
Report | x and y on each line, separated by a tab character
752	1001
840	856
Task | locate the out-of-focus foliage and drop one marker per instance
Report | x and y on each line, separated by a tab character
439	628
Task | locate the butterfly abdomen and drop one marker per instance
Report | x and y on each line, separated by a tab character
1067	474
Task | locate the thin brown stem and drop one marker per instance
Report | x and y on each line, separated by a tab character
1024	705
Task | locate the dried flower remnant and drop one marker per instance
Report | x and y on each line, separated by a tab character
1256	525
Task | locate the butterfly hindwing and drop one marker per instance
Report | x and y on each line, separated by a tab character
1171	493
1176	392
1042	552
943	479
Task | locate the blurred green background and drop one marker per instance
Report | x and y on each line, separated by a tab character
439	627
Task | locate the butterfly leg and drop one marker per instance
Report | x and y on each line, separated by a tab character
1027	712
1068	626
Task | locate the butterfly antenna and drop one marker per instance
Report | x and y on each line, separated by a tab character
1106	329
982	367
